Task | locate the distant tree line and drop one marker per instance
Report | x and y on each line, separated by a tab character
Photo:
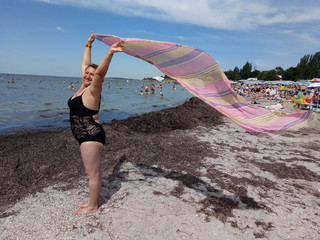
307	68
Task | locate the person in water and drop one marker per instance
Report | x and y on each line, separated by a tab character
84	119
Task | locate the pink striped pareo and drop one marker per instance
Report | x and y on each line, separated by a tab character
201	75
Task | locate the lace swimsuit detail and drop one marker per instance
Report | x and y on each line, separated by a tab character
83	126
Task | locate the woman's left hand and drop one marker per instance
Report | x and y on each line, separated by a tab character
117	47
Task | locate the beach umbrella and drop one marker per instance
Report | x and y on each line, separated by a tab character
314	85
315	80
285	89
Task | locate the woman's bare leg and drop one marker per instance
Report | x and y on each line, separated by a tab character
91	157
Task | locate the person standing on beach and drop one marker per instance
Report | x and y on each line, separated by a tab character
84	119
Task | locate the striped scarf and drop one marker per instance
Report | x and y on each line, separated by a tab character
201	75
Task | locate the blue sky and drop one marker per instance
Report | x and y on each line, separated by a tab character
47	37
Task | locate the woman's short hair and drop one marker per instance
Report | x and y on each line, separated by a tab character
95	66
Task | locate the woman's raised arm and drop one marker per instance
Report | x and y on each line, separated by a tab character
101	71
86	59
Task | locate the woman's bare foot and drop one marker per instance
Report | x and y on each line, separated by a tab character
86	210
83	205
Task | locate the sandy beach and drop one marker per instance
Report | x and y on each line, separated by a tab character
181	173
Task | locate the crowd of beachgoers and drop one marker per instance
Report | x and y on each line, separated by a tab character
299	94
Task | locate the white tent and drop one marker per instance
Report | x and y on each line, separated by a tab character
314	85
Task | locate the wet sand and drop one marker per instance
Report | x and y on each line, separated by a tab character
180	173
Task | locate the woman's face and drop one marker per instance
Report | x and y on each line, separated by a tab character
88	76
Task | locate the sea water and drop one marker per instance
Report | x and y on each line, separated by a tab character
31	102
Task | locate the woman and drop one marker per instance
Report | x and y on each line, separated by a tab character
84	107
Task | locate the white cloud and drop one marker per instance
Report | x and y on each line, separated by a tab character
223	14
60	29
307	38
181	37
142	32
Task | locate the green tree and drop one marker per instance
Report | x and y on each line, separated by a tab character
246	70
229	74
302	67
255	73
233	74
268	75
279	70
290	74
309	66
237	75
313	69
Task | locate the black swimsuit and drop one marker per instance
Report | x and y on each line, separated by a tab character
83	126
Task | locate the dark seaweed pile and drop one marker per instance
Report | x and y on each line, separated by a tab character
33	161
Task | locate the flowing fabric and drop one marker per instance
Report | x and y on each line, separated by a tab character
201	75
300	99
